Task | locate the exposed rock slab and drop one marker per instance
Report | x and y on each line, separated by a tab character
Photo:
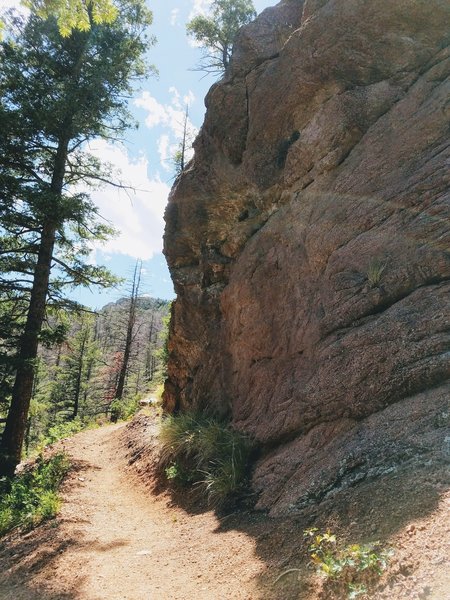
309	241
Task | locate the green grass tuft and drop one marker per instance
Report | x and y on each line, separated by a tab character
206	452
375	272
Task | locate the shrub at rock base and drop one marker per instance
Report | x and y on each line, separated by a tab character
202	451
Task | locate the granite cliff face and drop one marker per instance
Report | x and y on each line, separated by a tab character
309	244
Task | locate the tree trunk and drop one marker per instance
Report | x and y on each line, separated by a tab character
27	435
12	438
149	352
225	56
16	422
129	336
76	400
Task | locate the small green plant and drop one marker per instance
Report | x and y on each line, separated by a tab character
172	471
375	272
125	408
32	497
206	452
353	566
63	430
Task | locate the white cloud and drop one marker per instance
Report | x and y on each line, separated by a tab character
176	103
163	148
174	16
189	98
156	112
137	214
179	102
199	7
171	117
166	152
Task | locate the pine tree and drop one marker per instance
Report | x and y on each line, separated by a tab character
76	367
57	92
217	31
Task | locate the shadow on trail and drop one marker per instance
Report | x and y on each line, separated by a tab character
25	555
370	511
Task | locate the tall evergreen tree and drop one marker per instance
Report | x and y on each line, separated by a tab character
57	93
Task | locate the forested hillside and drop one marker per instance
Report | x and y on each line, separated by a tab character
79	363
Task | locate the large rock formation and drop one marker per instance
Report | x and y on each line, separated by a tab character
309	243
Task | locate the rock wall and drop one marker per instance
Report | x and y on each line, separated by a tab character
309	244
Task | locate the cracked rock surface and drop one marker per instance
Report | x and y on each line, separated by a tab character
309	244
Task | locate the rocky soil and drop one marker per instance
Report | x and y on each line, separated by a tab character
408	513
309	243
121	535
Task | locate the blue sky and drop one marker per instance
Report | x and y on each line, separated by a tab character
144	159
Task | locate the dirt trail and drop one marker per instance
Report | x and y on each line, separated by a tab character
116	539
112	541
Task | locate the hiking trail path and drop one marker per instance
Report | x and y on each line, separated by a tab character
113	540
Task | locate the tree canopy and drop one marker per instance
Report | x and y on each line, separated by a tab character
216	32
73	14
